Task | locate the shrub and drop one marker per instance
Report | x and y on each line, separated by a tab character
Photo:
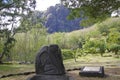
90	47
67	54
115	48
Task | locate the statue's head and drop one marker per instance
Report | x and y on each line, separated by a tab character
49	60
54	49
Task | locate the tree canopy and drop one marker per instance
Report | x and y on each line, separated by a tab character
11	12
91	9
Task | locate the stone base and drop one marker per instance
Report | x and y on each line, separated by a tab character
50	77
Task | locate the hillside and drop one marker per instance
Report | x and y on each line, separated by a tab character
107	32
107	24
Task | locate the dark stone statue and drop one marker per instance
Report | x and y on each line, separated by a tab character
49	64
49	61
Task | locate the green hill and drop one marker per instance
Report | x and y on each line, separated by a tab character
109	23
99	38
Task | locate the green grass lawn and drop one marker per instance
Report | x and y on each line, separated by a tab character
15	68
111	64
90	60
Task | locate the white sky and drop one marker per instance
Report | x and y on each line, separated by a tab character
42	5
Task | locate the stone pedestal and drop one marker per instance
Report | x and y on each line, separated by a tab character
51	77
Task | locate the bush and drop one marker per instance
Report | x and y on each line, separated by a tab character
90	47
115	48
67	54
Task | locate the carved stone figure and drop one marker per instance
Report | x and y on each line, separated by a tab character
49	61
49	64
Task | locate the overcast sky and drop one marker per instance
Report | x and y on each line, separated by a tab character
42	5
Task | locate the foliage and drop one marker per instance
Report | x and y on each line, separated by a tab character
101	45
11	11
90	47
114	48
8	43
87	22
110	29
114	37
67	54
94	10
1	46
73	44
108	25
57	38
29	43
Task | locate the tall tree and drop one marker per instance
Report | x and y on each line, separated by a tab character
11	11
91	10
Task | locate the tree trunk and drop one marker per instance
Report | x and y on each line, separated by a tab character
101	54
75	57
1	56
116	52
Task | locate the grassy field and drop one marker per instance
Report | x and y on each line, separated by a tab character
111	64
